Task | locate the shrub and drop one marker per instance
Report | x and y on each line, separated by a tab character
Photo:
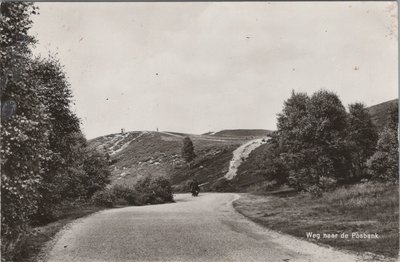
146	191
128	194
315	190
327	183
104	198
149	189
121	202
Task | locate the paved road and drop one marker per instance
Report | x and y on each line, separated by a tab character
205	228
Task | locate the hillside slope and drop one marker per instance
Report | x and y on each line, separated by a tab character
143	153
243	133
137	154
379	113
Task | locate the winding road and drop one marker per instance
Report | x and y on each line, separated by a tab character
206	228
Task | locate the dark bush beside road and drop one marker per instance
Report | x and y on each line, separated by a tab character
146	191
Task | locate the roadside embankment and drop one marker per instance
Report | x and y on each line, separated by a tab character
368	214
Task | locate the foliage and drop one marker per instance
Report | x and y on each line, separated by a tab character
24	136
147	190
319	144
188	150
95	165
362	137
274	167
126	193
153	190
311	134
104	198
393	117
45	161
384	163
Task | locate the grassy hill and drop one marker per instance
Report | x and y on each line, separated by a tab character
143	153
244	133
137	154
379	112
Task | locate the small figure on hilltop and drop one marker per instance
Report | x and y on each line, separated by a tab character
188	150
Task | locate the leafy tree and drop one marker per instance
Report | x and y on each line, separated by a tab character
63	180
362	138
44	160
188	150
24	135
312	132
384	163
97	174
293	138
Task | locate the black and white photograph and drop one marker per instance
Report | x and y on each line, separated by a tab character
227	131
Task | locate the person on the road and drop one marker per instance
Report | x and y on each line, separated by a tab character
194	188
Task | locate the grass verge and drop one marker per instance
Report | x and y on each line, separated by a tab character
363	208
37	238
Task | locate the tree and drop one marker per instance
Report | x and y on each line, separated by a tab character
188	150
63	180
24	135
384	163
362	138
311	133
97	177
293	139
42	147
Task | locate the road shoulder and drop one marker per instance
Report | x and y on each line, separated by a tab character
289	228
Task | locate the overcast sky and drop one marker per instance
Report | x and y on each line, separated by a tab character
198	67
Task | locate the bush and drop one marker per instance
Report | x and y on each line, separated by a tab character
149	189
146	191
315	191
128	194
121	202
327	183
104	198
